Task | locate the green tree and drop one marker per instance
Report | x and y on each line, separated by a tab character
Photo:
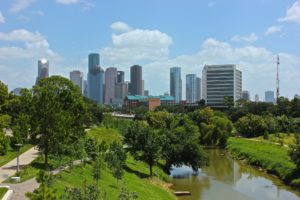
295	107
3	93
228	101
5	121
251	125
88	192
295	149
57	116
143	143
125	194
44	192
116	159
4	143
98	164
283	106
91	148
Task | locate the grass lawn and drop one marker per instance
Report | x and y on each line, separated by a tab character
2	192
274	158
104	134
135	179
11	154
287	139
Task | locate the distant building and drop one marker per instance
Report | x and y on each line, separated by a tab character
121	91
120	76
270	96
198	89
297	96
191	88
43	69
136	80
166	94
95	79
17	91
77	79
246	95
220	81
146	92
176	83
110	84
151	102
85	88
256	98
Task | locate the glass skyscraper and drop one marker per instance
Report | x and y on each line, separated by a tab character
176	83
95	79
191	88
43	69
136	80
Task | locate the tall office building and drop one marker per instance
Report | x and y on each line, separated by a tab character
95	79
270	96
198	88
43	69
191	88
220	81
136	80
85	88
120	77
77	78
176	83
110	84
246	95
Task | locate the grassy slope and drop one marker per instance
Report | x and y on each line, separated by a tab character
271	157
135	175
2	192
287	139
11	154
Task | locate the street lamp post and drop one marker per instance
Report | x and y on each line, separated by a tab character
18	146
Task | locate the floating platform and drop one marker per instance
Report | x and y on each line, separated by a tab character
182	193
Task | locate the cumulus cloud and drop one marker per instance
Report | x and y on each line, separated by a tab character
120	27
292	14
250	38
67	2
2	19
20	5
33	44
272	30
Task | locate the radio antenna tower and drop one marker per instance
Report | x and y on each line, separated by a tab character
277	79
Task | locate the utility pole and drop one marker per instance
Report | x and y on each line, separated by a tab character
277	79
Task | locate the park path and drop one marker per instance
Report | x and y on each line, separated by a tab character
25	158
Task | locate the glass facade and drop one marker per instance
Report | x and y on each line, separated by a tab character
176	83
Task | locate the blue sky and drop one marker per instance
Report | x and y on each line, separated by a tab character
155	34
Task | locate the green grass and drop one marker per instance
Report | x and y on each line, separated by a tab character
11	154
285	138
135	179
104	134
271	157
2	192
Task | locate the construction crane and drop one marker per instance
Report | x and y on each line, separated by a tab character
277	79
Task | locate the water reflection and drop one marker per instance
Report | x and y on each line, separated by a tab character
228	179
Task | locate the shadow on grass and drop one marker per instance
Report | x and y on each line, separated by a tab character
138	173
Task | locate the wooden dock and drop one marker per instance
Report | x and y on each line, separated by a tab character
182	193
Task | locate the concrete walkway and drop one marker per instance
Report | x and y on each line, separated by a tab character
10	168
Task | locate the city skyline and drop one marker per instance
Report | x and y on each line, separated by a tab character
28	34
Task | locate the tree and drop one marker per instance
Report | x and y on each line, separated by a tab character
295	107
98	164
44	192
57	116
283	106
295	149
143	143
3	93
125	194
251	125
5	121
116	159
228	101
4	142
91	148
88	192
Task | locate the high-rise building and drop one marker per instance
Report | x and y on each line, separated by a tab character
136	80
95	79
220	81
110	84
198	88
246	95
146	92
256	98
191	88
85	88
77	78
120	77
43	69
176	83
270	96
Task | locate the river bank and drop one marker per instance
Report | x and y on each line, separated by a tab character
272	158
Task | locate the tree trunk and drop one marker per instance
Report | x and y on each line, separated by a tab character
150	166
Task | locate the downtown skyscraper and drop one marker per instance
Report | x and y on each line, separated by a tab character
176	83
191	88
76	77
110	84
43	69
136	81
95	79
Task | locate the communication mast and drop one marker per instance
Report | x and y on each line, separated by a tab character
277	79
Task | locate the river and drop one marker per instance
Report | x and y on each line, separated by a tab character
227	179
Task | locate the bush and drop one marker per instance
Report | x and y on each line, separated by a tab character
251	125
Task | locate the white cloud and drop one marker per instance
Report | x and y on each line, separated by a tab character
120	27
67	2
19	5
292	14
2	19
38	12
32	45
250	38
272	30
